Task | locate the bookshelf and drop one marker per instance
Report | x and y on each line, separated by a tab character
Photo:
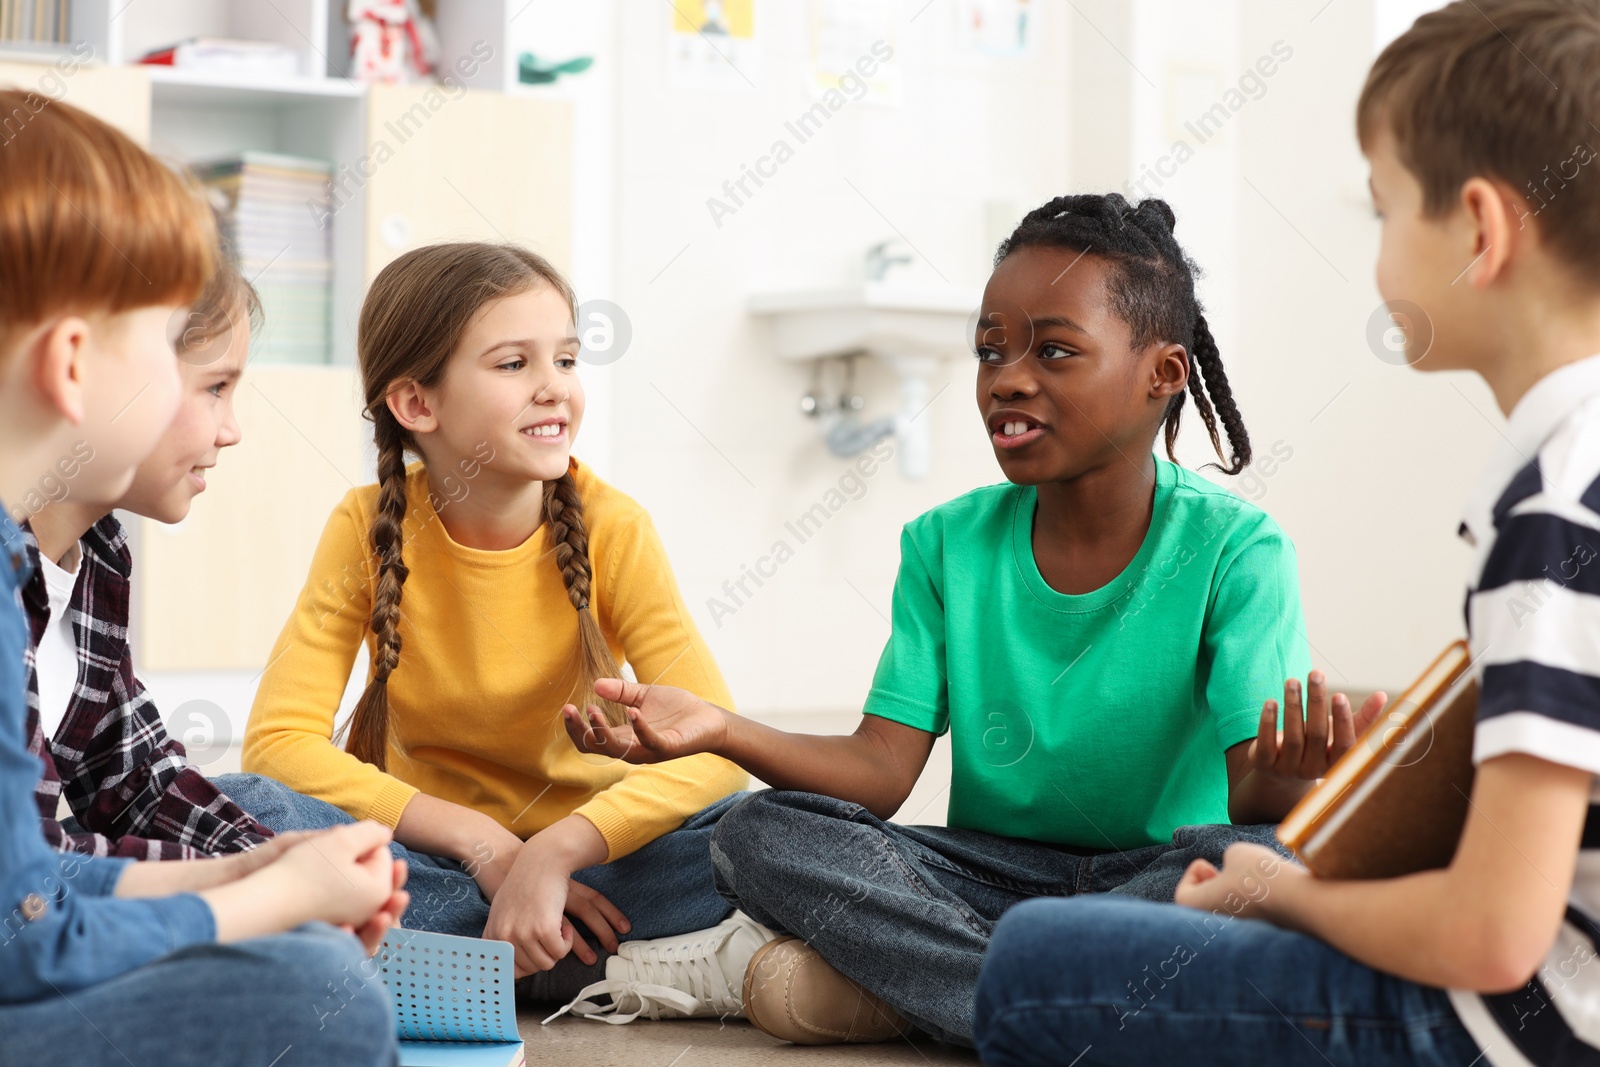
214	590
389	195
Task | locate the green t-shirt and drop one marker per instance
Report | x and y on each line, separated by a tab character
1097	720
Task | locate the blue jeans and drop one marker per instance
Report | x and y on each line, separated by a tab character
907	911
311	989
664	888
1129	982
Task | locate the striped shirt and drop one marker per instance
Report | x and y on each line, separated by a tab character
1533	620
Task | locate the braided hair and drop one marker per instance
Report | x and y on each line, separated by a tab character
1151	286
412	320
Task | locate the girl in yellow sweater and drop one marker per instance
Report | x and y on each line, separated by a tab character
493	582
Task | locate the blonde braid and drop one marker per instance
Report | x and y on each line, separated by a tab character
565	508
369	724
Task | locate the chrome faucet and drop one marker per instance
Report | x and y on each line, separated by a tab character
879	260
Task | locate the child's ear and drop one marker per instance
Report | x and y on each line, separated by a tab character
1495	223
1171	371
410	407
58	355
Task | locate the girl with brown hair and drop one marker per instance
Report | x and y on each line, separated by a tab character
492	582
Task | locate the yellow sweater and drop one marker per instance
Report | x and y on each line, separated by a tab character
489	653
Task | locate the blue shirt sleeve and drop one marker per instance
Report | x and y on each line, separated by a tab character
61	930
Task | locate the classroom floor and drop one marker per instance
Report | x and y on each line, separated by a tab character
707	1043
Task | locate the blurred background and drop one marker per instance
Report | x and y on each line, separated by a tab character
779	218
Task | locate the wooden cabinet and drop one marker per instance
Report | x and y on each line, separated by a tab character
212	592
467	165
118	95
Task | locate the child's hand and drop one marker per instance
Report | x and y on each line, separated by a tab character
492	865
535	909
344	876
1250	875
371	932
663	723
243	863
1312	739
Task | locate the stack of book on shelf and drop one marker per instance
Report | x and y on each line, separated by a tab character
46	22
275	213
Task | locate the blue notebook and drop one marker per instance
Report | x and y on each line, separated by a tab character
453	1000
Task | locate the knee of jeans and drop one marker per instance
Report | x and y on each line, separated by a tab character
743	834
1008	964
1020	928
327	971
321	951
1037	937
251	791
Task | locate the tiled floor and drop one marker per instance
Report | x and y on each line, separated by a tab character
707	1043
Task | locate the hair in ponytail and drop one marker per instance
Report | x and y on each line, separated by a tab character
414	316
1152	289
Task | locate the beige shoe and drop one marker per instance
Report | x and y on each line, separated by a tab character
793	994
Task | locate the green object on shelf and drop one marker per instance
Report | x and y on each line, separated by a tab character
531	70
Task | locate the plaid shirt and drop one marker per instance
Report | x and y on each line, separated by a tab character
129	784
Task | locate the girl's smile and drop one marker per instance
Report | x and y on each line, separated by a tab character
547	431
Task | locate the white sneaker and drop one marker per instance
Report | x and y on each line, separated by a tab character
682	977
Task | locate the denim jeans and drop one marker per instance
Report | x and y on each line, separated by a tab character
311	989
664	888
1130	982
907	911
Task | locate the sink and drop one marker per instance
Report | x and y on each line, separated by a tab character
911	327
884	318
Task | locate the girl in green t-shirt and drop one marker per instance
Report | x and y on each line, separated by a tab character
1096	635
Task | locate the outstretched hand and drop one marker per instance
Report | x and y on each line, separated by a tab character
1314	734
663	723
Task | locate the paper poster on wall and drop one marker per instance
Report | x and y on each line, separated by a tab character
852	51
994	27
713	44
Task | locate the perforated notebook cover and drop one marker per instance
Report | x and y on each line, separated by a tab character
450	989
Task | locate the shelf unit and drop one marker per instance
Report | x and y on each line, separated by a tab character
477	162
323	113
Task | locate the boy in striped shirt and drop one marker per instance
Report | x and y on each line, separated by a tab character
1479	127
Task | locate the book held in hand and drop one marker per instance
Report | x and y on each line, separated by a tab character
453	999
1396	803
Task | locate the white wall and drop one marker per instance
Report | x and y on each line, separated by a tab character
709	435
1383	455
553	29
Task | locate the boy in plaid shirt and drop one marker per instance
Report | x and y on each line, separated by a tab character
99	736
